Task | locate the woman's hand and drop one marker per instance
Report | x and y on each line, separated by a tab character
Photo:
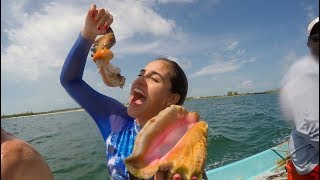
160	176
96	23
178	177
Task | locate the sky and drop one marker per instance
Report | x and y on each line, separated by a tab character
229	45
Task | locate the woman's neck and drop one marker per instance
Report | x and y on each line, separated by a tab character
141	122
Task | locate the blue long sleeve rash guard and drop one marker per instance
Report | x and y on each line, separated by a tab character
116	126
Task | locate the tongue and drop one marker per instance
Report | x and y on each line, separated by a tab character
138	99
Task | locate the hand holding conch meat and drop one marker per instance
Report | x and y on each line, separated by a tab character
102	55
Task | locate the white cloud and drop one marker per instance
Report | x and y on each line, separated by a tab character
43	37
183	63
39	44
39	35
176	1
250	60
217	68
9	18
310	10
246	84
134	18
137	48
232	45
153	2
226	59
241	52
222	67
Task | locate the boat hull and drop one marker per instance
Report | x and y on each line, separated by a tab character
258	166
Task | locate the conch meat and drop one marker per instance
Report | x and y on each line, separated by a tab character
102	55
174	141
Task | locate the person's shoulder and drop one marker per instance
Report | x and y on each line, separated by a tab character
18	150
305	65
18	158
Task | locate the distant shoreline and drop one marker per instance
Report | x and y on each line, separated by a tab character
40	114
230	94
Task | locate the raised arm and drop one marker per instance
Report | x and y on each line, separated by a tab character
99	107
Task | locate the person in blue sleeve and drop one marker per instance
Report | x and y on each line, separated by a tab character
160	84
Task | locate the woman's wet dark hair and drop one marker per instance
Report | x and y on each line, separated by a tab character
179	82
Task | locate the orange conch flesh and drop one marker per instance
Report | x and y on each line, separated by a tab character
102	55
175	141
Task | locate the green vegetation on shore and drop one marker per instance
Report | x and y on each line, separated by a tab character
233	93
230	93
37	113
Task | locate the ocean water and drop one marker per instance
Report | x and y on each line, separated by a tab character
239	127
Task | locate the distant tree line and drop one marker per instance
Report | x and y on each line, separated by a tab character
232	93
29	113
229	93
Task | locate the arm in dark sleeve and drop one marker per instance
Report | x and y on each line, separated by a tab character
99	107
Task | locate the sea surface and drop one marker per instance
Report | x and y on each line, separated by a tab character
239	127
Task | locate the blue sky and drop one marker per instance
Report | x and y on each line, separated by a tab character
240	45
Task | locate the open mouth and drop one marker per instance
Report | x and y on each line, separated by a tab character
138	96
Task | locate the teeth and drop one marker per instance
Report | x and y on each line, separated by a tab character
138	91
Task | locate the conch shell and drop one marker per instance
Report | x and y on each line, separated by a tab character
174	141
102	55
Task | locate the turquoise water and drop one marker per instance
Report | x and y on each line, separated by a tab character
73	147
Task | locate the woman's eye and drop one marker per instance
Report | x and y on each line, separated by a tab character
155	79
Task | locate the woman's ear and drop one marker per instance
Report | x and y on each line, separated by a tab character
173	99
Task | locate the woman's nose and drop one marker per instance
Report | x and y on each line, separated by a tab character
141	80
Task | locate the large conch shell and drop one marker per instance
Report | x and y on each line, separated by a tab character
174	141
102	55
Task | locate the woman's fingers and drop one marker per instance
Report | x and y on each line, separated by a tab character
100	14
104	21
93	10
178	177
108	22
97	22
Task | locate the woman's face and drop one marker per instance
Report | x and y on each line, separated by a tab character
150	92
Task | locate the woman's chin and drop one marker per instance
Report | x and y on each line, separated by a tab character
133	111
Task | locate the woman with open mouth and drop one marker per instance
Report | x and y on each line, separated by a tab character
159	84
